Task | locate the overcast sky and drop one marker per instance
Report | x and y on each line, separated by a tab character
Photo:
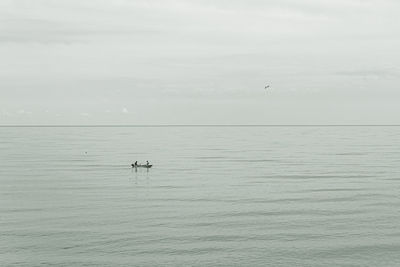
199	62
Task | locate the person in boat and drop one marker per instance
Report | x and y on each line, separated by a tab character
147	163
134	164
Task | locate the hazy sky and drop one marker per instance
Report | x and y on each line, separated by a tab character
199	61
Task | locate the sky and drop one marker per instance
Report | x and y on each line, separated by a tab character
69	62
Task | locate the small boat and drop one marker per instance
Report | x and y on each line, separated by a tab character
142	166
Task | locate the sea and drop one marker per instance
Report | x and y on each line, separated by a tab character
215	196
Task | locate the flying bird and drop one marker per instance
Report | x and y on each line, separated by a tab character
266	87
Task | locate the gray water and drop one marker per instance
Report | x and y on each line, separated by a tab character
216	196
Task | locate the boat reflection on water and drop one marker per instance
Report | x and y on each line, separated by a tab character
146	166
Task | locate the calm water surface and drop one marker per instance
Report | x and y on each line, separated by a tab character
216	196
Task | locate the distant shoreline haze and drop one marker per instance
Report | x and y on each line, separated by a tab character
216	125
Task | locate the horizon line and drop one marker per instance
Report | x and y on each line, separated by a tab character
198	125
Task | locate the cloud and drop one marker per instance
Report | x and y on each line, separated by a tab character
176	22
369	73
93	56
49	22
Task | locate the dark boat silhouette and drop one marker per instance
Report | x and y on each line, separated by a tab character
142	166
